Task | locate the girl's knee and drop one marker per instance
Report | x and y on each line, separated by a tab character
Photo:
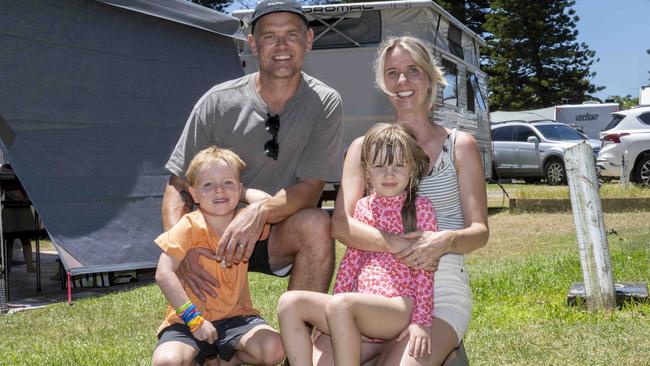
338	305
288	303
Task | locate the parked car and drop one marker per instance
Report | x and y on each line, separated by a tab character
627	120
626	136
534	150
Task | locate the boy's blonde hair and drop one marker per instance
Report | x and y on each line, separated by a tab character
209	155
420	52
385	137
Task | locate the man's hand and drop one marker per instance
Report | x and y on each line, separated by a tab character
399	243
196	277
239	238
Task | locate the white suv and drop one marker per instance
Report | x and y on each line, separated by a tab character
628	134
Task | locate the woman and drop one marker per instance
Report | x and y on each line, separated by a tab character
406	71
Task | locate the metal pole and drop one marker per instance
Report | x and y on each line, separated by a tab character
590	227
4	263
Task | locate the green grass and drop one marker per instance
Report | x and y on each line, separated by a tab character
496	197
607	190
520	317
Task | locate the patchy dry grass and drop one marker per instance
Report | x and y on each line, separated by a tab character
520	317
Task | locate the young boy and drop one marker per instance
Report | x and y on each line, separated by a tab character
225	330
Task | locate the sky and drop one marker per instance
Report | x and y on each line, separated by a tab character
619	32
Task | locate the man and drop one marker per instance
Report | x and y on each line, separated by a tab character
287	127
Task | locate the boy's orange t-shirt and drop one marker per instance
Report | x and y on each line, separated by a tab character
233	296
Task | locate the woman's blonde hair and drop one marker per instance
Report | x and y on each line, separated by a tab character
420	52
380	146
209	155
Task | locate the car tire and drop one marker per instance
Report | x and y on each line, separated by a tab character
554	172
641	174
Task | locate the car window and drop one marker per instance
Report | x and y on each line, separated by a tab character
502	133
523	132
616	119
645	118
560	132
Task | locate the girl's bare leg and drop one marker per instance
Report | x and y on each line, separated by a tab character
324	355
350	315
443	340
295	309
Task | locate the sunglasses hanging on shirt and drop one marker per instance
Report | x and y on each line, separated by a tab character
272	147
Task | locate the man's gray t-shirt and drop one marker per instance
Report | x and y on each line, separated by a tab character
232	115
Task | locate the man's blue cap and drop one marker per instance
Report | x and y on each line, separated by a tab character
276	6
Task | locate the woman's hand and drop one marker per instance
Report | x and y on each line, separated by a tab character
427	248
398	243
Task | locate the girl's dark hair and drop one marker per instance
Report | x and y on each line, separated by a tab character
391	138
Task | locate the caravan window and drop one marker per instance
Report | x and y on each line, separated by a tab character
455	37
474	93
346	30
450	93
470	96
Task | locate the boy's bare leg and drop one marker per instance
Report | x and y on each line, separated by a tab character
174	353
350	315
261	345
304	240
296	309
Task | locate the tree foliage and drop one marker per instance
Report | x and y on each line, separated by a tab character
533	58
470	13
218	5
625	102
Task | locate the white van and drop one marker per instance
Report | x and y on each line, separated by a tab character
345	46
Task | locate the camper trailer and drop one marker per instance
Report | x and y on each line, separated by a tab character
589	118
345	46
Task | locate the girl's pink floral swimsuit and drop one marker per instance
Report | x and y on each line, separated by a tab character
381	273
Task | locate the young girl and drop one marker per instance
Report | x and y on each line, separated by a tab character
375	296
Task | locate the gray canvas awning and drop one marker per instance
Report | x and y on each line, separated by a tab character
94	96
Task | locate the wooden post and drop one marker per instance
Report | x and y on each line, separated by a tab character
625	171
590	227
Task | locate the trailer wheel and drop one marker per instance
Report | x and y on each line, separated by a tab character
554	172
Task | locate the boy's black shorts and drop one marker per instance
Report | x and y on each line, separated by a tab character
230	330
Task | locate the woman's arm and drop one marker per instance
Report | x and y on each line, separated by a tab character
430	246
473	196
347	229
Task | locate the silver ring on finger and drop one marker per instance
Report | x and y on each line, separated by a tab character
241	245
